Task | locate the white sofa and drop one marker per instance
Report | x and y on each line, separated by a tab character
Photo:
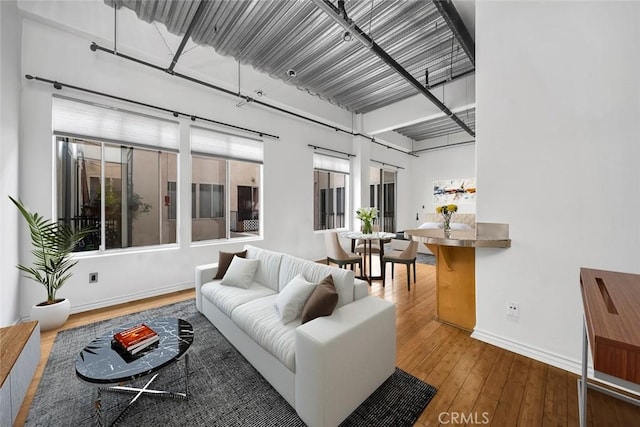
324	368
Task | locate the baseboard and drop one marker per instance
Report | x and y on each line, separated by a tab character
125	298
562	362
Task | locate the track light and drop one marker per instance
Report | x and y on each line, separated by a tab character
193	118
347	36
175	114
57	85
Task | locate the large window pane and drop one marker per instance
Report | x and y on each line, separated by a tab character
208	173
133	192
79	171
329	200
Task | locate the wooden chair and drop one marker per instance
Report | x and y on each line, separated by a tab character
336	253
407	257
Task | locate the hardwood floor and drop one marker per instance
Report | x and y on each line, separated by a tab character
478	384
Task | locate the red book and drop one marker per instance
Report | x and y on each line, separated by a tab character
131	337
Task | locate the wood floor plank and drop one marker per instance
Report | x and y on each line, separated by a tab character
482	382
511	399
533	402
556	400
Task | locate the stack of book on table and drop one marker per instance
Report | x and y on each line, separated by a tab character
135	339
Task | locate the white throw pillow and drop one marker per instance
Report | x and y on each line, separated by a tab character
291	300
429	225
240	272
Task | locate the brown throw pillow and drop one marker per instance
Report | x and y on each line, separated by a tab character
224	260
322	301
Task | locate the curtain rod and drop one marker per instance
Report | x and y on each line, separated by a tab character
373	139
96	47
58	85
386	164
316	147
445	146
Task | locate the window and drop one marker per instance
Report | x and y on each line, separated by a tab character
382	194
226	169
116	172
117	193
172	200
330	182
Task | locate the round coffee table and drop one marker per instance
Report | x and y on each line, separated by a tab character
100	363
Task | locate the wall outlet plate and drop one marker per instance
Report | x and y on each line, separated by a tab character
93	277
513	309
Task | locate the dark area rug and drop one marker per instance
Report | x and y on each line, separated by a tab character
225	390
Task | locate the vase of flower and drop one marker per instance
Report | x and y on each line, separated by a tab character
447	211
367	215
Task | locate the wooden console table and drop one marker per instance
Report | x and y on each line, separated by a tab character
612	330
456	267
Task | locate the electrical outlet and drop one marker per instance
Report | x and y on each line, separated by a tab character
93	277
513	309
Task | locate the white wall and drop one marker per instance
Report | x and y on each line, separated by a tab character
53	53
9	135
450	163
558	149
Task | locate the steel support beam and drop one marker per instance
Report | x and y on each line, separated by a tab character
455	23
340	17
187	34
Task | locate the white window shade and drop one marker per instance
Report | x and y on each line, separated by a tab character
84	119
227	145
331	163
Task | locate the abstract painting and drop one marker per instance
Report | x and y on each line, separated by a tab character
457	191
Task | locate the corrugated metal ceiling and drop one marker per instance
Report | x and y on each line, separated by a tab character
275	36
438	127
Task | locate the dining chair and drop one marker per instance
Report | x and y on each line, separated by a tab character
336	253
407	257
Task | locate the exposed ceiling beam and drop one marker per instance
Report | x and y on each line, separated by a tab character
340	17
454	21
187	34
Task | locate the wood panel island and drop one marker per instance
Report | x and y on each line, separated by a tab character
456	267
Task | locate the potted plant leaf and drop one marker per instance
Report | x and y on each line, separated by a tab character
52	243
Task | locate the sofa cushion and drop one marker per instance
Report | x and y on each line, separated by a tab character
315	272
322	301
293	297
224	260
227	298
260	320
240	272
269	268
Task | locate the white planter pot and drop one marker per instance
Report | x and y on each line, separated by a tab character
51	316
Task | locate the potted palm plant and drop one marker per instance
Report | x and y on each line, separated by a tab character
52	243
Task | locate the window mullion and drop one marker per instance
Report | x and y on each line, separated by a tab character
103	234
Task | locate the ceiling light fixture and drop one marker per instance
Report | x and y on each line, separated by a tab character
347	36
291	73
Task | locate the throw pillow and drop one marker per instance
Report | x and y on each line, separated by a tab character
322	301
224	259
240	272
292	298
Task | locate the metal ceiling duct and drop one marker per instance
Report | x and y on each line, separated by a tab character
274	36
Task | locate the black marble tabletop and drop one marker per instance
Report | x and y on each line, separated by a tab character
101	363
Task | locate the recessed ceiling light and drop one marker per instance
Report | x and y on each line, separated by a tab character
291	73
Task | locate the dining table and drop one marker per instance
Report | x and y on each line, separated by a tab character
382	237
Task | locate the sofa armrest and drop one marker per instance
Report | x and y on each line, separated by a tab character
341	359
204	273
360	289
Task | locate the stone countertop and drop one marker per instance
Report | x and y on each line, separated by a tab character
485	235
